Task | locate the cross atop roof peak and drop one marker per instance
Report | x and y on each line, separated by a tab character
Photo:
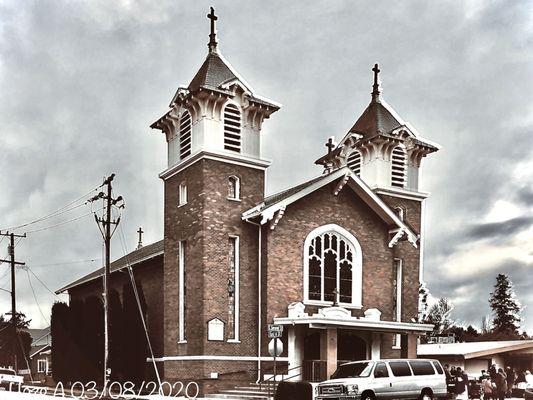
213	35
376	90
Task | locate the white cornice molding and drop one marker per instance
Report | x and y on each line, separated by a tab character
235	159
402	193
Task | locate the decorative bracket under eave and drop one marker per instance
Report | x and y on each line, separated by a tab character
341	184
277	218
396	238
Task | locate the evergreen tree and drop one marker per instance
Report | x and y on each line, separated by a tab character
135	344
505	307
19	344
60	342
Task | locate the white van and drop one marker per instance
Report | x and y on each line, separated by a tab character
385	379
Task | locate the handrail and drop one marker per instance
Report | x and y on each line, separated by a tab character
273	377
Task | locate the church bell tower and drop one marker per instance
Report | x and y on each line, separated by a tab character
215	172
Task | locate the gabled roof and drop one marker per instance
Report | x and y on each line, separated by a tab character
35	350
38	336
473	349
135	257
278	202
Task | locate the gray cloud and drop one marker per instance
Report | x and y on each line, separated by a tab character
498	230
81	82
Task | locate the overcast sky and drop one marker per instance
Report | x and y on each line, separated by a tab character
82	81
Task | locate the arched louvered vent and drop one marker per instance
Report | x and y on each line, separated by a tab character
354	162
185	135
232	128
399	160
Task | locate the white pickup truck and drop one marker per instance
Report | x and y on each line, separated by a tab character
9	380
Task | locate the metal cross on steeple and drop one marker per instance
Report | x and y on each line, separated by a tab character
213	35
140	232
375	88
331	144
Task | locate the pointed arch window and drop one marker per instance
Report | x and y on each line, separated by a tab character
354	162
185	135
232	128
332	267
399	166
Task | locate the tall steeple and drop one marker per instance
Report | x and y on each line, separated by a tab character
218	112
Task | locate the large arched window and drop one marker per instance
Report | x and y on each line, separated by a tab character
398	167
332	267
354	162
232	128
185	135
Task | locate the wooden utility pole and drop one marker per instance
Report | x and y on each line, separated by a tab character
11	251
106	223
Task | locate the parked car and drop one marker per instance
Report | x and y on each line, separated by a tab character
9	380
385	379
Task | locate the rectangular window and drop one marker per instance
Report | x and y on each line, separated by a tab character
42	366
182	294
398	272
400	368
233	288
182	194
422	368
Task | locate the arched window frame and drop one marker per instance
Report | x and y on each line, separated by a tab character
357	266
395	165
232	140
355	165
235	182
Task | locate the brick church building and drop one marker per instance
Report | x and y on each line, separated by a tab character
336	260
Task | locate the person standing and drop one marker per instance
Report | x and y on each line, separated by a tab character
511	377
461	387
488	390
501	384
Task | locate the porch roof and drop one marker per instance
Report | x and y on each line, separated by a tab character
319	321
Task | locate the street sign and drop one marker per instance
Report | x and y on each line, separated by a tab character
275	331
275	347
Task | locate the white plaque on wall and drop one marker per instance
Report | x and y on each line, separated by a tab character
215	329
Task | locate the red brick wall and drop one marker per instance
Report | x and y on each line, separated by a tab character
206	223
284	254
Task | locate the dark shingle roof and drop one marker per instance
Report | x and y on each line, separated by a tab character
289	192
213	73
376	119
135	257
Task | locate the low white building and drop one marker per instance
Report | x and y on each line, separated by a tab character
476	356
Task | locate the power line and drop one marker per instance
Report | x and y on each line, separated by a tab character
53	214
61	223
41	282
63	263
35	298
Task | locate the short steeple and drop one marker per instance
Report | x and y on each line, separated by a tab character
383	149
212	45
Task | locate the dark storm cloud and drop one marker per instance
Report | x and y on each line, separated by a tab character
497	230
525	195
82	81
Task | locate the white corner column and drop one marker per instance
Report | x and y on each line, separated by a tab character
375	350
295	350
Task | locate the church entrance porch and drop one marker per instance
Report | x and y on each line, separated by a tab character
317	344
336	345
